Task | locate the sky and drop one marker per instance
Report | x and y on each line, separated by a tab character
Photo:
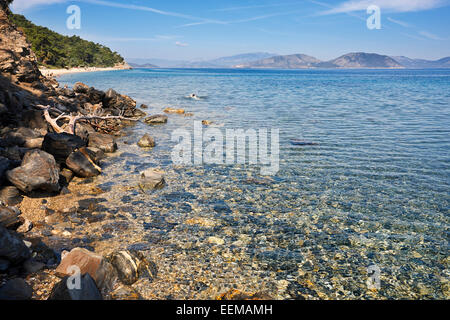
207	29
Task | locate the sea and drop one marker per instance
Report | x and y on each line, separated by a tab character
358	210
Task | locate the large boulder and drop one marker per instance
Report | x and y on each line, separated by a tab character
98	268
16	289
67	289
156	119
38	171
102	141
152	179
12	247
61	145
82	165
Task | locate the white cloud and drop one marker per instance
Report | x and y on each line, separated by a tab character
181	44
21	5
390	5
430	35
400	23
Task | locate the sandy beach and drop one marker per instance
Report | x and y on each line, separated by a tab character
59	72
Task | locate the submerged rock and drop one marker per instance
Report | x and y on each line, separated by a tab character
61	145
87	289
146	141
82	165
172	110
104	142
156	119
37	172
152	179
16	289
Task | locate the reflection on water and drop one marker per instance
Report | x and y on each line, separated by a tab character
374	191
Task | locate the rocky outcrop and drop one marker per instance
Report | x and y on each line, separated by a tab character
37	172
16	58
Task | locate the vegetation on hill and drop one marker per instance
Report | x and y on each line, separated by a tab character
54	50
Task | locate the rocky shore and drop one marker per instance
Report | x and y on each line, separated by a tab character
50	136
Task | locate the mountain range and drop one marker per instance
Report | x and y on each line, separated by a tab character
263	60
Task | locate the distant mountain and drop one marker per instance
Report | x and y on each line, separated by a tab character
422	63
223	62
145	65
365	60
302	61
295	61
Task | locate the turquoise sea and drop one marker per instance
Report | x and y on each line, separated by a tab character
374	191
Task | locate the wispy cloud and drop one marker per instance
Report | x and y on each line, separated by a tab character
390	5
430	35
256	7
181	44
400	23
20	5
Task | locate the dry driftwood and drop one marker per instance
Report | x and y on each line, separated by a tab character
73	119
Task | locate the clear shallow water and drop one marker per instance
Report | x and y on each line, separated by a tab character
374	191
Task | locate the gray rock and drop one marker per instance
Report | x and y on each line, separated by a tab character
61	145
87	290
146	141
132	265
9	218
16	289
102	141
156	119
152	179
10	196
37	172
32	266
82	165
12	247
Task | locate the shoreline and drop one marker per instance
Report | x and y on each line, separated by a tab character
59	72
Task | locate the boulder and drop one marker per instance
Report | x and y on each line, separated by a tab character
67	289
12	247
95	154
146	141
34	119
4	166
156	119
104	142
82	165
61	145
172	110
37	172
10	196
95	265
16	289
9	218
80	87
131	265
152	179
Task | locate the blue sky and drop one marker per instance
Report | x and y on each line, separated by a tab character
205	29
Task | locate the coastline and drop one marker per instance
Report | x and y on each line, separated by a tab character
59	72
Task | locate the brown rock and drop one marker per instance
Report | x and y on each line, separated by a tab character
102	141
146	141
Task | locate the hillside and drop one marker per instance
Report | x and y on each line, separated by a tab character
365	60
54	50
295	61
302	61
422	63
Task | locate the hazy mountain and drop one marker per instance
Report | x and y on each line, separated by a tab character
223	62
294	61
145	65
365	60
422	63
